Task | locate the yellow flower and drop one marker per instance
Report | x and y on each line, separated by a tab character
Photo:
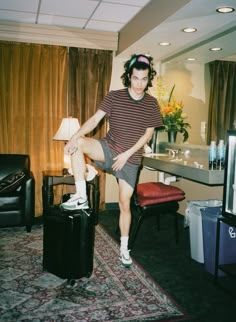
166	110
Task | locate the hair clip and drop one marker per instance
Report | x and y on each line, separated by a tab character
132	61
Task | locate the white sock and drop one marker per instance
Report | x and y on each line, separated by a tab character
124	242
81	189
91	172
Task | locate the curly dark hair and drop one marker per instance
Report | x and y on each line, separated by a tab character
140	62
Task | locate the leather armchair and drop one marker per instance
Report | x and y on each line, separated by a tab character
17	201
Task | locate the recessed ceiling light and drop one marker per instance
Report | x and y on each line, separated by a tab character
189	29
215	49
191	59
164	43
225	9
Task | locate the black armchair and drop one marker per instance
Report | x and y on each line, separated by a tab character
17	191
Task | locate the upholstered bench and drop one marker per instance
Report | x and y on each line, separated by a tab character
155	198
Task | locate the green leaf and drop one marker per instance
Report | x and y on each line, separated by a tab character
172	90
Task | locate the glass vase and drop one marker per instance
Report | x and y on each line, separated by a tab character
172	136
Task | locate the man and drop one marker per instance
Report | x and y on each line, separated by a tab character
133	115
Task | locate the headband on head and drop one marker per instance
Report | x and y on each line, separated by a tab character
141	59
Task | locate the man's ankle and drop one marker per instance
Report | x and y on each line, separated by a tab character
124	242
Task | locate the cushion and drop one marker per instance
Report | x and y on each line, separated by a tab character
150	193
11	182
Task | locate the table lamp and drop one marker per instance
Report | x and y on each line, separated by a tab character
69	126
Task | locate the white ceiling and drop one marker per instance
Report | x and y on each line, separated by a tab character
108	15
152	22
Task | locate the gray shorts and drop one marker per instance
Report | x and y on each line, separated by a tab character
129	171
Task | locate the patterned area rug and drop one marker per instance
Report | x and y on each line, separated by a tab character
112	293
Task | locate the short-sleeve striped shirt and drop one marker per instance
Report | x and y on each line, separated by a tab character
128	120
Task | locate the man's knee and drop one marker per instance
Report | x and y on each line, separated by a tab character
124	204
80	143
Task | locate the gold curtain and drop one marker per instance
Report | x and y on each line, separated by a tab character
32	104
222	103
89	81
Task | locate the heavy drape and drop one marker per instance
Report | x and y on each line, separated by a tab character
90	76
32	100
33	88
222	103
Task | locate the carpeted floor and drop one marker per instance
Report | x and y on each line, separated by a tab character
171	265
112	293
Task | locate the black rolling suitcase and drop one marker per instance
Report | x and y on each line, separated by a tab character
68	243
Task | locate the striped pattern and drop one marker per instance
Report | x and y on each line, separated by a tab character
128	120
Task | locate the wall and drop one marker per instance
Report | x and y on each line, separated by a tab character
57	35
192	86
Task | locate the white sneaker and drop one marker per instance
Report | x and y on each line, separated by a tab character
125	257
74	203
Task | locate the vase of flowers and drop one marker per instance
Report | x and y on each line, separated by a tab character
174	118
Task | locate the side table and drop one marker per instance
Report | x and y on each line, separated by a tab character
56	177
52	178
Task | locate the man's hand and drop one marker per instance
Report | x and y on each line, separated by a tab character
71	146
120	161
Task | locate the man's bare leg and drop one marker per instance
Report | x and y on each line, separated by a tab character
125	194
93	149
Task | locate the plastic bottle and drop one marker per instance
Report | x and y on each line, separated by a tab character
212	156
220	155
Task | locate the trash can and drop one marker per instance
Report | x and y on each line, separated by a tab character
193	218
227	242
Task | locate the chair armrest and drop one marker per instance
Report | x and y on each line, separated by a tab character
29	201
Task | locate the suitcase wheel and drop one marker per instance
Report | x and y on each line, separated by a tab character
71	283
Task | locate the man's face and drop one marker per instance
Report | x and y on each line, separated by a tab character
139	80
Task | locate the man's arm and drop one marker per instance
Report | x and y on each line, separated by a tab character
122	158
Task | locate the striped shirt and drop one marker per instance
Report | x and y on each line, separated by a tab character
128	120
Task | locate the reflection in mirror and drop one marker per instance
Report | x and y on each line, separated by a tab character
190	88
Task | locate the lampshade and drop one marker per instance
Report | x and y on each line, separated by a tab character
67	128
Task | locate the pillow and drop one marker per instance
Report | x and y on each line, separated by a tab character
11	182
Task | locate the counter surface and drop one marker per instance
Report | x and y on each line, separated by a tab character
185	168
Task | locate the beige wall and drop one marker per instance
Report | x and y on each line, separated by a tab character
192	86
196	191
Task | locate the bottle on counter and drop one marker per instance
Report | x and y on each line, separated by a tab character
212	156
220	155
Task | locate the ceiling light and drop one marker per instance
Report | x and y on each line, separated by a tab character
189	29
191	59
225	10
215	49
164	43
